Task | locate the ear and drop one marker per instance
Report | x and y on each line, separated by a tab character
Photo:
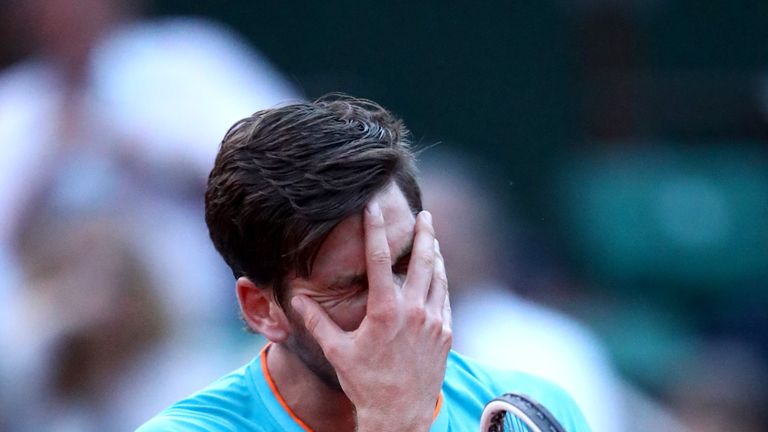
262	314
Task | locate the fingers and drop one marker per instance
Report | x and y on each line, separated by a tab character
317	322
422	264
381	290
438	303
437	299
447	316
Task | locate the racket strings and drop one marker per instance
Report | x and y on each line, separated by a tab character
511	421
499	422
517	413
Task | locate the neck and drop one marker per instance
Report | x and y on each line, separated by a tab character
321	407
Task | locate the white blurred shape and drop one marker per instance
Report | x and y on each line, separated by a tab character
176	85
508	332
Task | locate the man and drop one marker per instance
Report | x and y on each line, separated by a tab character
316	209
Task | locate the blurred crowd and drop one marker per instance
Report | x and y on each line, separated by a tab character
113	303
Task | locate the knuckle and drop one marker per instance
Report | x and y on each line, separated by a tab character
332	351
311	322
446	336
427	259
434	325
380	256
382	313
440	280
417	314
374	222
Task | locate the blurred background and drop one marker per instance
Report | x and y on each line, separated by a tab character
600	185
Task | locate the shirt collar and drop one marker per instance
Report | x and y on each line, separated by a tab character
290	422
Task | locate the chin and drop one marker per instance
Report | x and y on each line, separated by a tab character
309	352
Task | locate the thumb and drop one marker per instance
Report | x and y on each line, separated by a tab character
317	322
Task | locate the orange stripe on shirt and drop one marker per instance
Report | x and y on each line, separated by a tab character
277	394
438	405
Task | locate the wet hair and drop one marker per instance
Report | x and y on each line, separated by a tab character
285	177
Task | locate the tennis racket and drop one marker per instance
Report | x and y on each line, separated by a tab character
511	411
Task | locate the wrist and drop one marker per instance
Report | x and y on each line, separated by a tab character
376	420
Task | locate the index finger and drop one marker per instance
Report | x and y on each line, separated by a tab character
381	288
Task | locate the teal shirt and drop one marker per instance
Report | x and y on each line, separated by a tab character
246	400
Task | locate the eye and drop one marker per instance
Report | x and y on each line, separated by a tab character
351	287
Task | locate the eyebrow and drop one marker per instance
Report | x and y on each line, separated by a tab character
361	278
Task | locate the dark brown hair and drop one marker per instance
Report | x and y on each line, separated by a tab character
285	177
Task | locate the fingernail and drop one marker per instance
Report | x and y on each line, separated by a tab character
373	208
298	304
437	246
427	216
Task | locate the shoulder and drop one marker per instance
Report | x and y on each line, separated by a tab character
225	405
472	384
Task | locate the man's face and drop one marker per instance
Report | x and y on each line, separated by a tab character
338	282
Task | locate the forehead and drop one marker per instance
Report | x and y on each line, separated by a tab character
343	251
